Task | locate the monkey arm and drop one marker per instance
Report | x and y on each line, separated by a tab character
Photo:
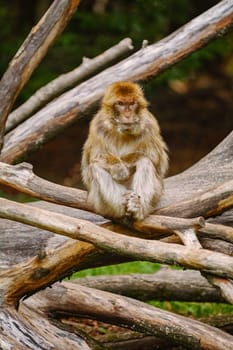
114	165
107	195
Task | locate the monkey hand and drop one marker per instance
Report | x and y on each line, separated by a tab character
134	208
120	172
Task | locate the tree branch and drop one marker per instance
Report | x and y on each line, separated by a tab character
213	202
166	284
131	247
66	81
69	299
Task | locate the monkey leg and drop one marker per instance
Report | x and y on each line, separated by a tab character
105	194
147	186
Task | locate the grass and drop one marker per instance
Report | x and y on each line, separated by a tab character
125	268
17	196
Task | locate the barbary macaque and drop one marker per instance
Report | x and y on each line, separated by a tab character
124	158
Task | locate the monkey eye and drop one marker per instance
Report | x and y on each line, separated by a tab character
133	103
120	103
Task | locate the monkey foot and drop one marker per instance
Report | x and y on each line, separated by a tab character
133	206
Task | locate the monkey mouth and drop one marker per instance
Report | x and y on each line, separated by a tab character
128	128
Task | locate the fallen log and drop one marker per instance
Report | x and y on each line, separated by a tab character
68	299
166	284
40	273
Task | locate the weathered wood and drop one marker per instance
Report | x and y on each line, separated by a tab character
22	178
216	245
29	330
166	284
218	231
68	298
148	61
225	286
31	53
41	271
213	202
159	223
189	238
211	171
66	81
132	247
30	241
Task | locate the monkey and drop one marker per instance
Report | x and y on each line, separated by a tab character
124	158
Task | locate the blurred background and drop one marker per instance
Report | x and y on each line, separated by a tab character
193	100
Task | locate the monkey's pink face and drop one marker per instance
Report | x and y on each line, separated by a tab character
126	115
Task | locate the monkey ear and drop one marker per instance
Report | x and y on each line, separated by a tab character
142	101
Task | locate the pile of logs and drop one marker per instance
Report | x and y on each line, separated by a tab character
42	242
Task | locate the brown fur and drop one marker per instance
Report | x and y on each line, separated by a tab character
124	158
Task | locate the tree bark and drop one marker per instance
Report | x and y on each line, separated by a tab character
135	248
67	299
146	62
29	330
166	284
31	53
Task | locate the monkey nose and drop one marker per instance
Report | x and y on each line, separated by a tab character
128	117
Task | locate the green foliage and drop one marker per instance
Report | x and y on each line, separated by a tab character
18	197
126	268
196	310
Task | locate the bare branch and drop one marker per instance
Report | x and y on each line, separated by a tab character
189	238
225	286
218	231
66	81
22	178
28	329
131	247
166	284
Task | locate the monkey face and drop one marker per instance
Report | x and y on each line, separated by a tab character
126	115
